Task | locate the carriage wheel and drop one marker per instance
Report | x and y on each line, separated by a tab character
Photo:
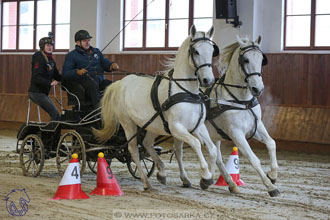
70	143
18	145
32	156
147	163
93	165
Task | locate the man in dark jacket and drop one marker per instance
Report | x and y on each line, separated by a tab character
84	66
44	75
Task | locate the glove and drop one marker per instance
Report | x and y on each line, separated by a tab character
114	66
82	71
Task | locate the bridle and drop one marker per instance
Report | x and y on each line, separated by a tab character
192	51
242	60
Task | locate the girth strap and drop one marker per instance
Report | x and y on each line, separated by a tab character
173	100
214	112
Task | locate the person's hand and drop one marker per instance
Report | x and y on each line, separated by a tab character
114	66
82	71
54	83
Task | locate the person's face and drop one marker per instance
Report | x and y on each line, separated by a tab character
49	48
84	43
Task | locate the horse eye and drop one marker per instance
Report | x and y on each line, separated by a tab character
196	52
246	61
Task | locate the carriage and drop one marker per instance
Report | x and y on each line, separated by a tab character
39	141
176	109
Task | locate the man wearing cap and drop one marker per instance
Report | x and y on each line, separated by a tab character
84	66
44	75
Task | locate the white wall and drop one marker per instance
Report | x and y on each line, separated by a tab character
103	19
267	22
225	34
83	16
109	23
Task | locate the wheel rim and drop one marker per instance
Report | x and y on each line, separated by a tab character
70	143
148	166
32	156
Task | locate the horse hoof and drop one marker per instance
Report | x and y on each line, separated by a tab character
161	179
186	185
205	183
233	189
274	193
271	180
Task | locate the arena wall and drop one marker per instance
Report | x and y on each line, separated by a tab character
295	103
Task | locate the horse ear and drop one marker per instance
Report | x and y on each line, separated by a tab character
193	31
258	41
210	33
240	41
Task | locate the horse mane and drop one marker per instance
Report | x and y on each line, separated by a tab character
169	62
227	53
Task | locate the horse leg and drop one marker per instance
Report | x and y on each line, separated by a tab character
231	184
241	142
263	136
178	154
148	144
204	137
180	132
131	129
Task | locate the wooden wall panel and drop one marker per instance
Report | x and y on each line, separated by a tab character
297	80
295	103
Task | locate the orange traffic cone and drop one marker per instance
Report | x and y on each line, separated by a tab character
107	184
70	185
232	168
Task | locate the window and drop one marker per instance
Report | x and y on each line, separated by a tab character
24	22
307	25
163	24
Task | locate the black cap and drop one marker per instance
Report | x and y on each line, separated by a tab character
82	35
45	40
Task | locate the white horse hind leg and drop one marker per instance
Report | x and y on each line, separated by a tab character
263	136
178	154
231	184
130	129
148	144
181	133
244	147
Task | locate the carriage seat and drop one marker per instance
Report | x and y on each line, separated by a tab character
79	95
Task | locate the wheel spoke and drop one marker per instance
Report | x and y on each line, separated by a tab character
66	153
34	167
26	162
145	165
29	165
66	158
148	159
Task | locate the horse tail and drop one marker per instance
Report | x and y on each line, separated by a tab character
109	120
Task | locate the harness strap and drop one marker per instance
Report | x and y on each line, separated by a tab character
185	96
214	112
155	102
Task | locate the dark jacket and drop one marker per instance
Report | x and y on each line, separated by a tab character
91	60
44	70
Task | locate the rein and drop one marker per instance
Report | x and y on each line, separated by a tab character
221	108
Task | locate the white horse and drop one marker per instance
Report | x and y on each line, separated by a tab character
237	114
177	102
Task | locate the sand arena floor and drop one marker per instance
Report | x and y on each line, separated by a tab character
304	182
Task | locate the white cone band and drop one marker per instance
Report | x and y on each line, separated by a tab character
232	165
71	175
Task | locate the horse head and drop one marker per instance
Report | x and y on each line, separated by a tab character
251	59
201	51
